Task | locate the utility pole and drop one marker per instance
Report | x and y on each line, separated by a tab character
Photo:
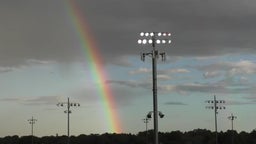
216	105
232	118
154	38
32	121
68	111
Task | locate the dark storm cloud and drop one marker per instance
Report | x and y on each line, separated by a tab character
200	28
35	30
43	30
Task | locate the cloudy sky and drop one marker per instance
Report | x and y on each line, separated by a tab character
42	63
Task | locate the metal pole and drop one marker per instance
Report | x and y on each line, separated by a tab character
146	122
215	114
232	118
32	123
216	105
68	111
146	125
68	120
154	75
154	55
232	128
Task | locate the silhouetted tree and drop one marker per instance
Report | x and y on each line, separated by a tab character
197	136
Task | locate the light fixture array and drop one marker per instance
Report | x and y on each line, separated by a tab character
158	38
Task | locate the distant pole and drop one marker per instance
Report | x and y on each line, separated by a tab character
232	118
68	111
32	122
154	38
146	120
215	115
216	105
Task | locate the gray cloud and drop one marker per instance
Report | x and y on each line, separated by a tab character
43	30
160	71
174	103
206	88
42	100
239	103
132	84
6	69
163	77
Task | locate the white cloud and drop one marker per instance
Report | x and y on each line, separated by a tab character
141	71
163	77
160	71
211	74
6	69
242	67
229	69
171	71
36	61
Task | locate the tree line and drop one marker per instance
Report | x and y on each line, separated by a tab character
197	136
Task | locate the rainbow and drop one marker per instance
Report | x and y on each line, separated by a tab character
98	73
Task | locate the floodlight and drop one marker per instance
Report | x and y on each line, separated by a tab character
159	34
151	34
142	34
163	41
158	41
161	115
150	41
139	41
144	41
149	115
146	34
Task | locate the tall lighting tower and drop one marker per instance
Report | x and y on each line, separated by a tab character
216	105
232	118
154	38
68	111
32	121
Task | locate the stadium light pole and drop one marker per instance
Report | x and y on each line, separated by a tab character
32	121
146	121
68	111
216	105
154	38
232	118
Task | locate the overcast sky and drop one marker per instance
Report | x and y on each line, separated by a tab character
42	63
